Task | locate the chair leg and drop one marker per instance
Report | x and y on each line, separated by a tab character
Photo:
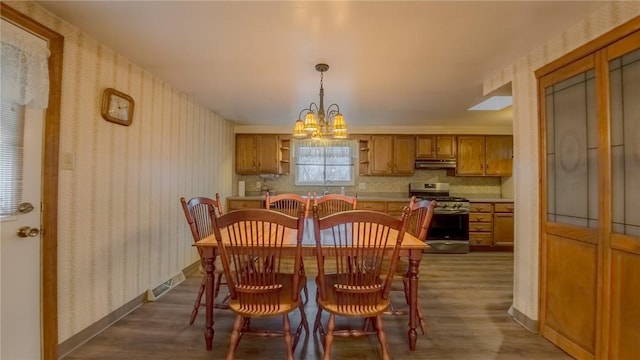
218	282
316	324
288	343
423	325
328	339
235	337
196	306
382	338
421	321
305	289
303	318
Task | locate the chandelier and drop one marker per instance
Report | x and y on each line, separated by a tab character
317	123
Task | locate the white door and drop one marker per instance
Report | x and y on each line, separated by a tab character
20	284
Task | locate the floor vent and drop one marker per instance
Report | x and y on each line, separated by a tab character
156	292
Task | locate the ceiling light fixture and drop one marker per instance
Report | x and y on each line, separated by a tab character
317	124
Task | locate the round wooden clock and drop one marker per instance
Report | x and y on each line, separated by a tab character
117	107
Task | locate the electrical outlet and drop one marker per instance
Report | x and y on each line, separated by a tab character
362	186
258	185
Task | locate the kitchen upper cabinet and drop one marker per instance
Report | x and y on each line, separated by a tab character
257	154
392	155
436	147
499	155
490	155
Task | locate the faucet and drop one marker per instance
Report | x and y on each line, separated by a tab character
325	191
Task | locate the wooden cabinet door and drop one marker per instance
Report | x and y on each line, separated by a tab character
404	155
426	147
246	147
446	147
503	228
436	147
471	155
499	155
381	159
268	154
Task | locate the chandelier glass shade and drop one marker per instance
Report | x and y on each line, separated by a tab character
317	123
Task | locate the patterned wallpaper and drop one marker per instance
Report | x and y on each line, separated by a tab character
121	227
525	133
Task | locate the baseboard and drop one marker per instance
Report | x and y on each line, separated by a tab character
67	346
524	320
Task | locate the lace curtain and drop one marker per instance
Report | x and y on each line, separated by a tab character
317	161
24	66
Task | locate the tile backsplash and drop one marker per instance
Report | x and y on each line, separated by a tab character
388	185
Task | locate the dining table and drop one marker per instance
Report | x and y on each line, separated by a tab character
411	249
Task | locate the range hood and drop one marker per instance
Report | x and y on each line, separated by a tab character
435	164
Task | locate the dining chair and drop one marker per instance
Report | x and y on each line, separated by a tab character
333	203
291	204
419	221
288	203
356	242
199	212
261	289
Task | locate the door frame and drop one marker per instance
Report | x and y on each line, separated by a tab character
49	210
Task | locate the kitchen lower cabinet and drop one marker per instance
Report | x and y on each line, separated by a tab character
503	224
491	225
237	204
393	208
372	205
480	224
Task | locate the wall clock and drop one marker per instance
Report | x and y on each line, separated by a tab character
117	107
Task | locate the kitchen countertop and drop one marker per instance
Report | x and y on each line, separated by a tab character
399	197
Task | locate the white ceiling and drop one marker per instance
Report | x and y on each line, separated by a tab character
419	63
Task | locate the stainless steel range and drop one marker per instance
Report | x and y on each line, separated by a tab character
449	229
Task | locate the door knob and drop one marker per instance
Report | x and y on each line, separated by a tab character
25	208
26	231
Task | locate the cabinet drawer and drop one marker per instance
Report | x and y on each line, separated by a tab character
243	204
480	227
480	207
480	217
480	239
396	206
503	207
372	205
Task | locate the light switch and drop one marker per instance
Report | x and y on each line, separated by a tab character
362	186
67	161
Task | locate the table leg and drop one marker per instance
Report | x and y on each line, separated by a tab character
413	302
209	286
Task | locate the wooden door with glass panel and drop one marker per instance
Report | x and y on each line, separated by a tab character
590	225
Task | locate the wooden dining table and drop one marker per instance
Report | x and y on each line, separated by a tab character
411	248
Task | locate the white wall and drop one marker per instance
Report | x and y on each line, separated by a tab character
121	226
525	131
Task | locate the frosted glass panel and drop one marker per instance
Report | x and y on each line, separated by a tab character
625	143
572	143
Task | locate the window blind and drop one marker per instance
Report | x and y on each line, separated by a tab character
11	156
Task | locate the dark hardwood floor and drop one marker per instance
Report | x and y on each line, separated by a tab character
464	298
